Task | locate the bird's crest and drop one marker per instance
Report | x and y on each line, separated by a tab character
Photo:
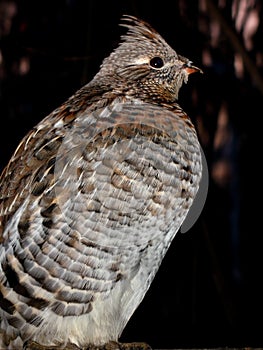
138	28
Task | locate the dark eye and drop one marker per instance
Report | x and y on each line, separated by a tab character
156	62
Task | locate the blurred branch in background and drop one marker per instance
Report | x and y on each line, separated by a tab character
238	47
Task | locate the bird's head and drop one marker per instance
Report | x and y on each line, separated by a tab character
145	66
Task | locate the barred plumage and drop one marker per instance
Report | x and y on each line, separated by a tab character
93	196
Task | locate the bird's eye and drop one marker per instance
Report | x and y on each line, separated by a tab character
156	62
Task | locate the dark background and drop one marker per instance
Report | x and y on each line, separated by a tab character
208	291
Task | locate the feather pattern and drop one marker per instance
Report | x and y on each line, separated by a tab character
92	198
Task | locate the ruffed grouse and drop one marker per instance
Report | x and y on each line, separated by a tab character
92	198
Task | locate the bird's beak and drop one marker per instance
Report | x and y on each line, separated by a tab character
189	68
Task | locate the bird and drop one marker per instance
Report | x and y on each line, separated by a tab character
92	198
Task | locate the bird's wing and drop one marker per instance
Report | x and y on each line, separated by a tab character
76	199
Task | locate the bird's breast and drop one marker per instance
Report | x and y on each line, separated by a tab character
133	168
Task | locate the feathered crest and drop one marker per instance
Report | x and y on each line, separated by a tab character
136	28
